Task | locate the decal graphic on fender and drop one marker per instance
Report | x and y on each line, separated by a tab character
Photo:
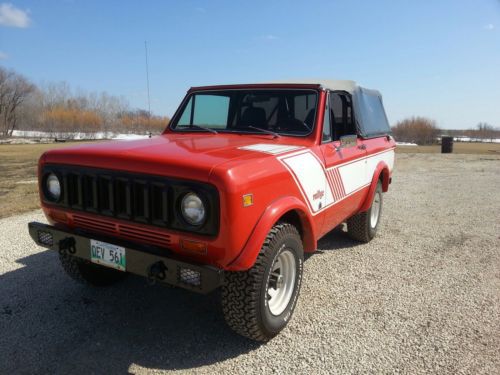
309	174
271	149
319	194
322	187
336	184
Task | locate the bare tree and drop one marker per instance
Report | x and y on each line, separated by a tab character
418	130
14	89
5	78
485	131
62	112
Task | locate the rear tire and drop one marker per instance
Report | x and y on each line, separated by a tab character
259	303
89	273
363	226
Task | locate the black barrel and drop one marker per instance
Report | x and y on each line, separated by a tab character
446	145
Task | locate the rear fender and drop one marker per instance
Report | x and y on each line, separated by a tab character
269	218
381	172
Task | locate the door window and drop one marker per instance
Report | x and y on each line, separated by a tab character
341	114
327	126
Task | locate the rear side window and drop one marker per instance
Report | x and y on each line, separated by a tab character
373	118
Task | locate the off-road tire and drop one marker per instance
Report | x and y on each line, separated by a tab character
359	226
244	294
89	273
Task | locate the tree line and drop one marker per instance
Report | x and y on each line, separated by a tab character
56	109
424	131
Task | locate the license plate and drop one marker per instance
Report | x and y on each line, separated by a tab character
108	255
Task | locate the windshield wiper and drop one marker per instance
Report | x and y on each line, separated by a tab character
200	127
274	134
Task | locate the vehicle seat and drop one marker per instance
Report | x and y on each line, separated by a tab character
310	118
253	116
291	124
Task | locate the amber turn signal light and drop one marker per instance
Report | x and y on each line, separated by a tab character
247	200
194	246
58	216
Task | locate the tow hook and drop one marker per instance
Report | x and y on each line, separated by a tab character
156	271
67	244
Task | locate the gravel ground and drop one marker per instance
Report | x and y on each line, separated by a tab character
424	296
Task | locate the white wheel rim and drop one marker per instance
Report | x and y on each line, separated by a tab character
281	282
375	212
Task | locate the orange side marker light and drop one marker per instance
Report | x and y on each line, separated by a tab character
247	200
199	248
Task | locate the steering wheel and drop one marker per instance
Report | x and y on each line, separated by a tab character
291	124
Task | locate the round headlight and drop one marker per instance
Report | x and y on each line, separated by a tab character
53	186
192	209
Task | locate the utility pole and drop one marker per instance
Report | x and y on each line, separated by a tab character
147	81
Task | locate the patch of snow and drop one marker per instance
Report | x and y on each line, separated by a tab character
405	144
76	136
26	182
482	140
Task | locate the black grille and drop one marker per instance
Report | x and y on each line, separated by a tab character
124	197
140	198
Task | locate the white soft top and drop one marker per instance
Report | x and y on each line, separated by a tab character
330	84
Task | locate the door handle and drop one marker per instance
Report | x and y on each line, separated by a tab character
332	148
362	146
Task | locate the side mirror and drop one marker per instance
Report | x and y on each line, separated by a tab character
348	141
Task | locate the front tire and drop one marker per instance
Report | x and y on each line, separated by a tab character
259	303
85	272
363	226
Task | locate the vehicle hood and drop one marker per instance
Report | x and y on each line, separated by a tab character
186	156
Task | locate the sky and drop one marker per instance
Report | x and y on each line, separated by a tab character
438	59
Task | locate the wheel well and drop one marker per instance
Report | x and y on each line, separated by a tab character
292	217
384	178
299	220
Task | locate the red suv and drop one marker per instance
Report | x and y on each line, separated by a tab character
244	181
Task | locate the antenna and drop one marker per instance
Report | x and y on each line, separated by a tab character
147	80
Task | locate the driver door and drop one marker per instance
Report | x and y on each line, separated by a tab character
344	156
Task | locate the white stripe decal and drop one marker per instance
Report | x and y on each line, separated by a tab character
323	187
338	183
310	174
270	148
353	175
360	172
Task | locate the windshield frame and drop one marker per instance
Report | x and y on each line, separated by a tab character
172	126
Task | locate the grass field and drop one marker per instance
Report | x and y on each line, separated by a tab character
18	185
19	189
458	148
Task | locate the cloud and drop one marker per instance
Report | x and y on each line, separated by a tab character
3	56
11	16
489	26
270	37
200	10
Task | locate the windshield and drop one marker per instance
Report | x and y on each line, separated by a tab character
288	112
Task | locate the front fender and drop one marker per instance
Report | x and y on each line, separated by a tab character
269	218
382	170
